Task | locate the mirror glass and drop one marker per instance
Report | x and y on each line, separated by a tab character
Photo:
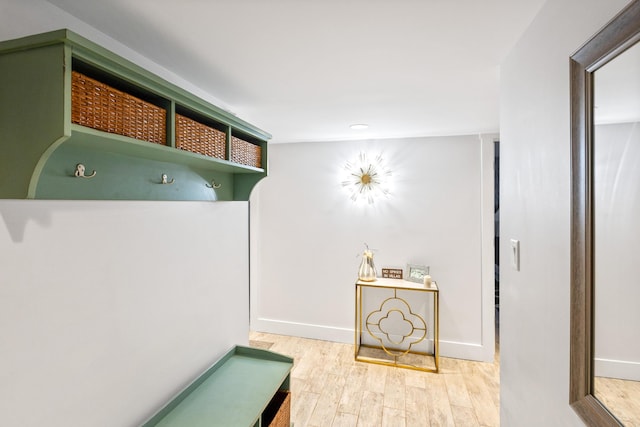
616	233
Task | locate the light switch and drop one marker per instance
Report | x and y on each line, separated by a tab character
515	254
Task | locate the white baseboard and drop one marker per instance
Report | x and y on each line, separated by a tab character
304	330
457	350
467	351
620	369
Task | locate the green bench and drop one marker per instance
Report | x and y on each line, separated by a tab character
245	388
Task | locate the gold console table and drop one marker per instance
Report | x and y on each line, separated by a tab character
394	312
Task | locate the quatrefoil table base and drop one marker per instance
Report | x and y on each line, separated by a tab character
395	328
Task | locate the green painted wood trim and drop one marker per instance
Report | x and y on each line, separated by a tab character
32	109
129	169
234	383
123	177
129	146
36	68
66	123
227	149
101	57
42	162
179	398
244	184
260	353
34	41
171	125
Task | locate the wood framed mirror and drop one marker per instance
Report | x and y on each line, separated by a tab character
590	264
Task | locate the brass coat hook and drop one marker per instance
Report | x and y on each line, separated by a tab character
214	185
164	179
80	169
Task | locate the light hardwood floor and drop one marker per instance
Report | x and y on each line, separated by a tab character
330	389
621	397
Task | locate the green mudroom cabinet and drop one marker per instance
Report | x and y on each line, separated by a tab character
47	131
248	387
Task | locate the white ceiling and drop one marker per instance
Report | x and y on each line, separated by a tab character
304	70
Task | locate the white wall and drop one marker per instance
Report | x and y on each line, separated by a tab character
617	233
308	236
109	308
535	198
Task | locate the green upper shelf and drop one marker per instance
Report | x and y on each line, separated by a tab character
41	143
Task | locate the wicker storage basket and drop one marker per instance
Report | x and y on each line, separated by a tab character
278	412
245	153
198	138
99	106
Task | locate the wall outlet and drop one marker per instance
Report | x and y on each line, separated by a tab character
515	254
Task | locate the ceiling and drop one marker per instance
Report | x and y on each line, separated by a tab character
304	70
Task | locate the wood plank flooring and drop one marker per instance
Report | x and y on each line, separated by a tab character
621	397
330	389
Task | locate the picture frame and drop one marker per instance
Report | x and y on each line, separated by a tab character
415	273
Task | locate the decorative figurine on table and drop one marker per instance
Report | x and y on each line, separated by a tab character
367	271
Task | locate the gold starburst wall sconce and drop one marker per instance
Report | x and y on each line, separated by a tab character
367	179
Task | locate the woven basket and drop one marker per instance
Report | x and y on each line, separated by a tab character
198	138
99	106
245	153
278	412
